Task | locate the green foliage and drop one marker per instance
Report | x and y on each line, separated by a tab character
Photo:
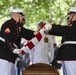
53	11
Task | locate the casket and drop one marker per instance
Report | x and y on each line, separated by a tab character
40	69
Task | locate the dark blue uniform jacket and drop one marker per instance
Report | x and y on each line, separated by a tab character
68	33
12	32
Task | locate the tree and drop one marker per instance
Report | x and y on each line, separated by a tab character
53	11
35	10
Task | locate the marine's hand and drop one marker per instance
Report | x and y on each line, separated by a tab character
48	27
20	55
16	51
19	52
35	32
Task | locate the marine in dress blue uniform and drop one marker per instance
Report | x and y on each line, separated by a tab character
11	33
67	51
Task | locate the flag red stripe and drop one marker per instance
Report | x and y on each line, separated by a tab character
22	52
30	45
38	36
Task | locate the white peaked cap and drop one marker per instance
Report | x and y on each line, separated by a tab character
17	10
72	9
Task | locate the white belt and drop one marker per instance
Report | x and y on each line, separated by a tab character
69	42
2	39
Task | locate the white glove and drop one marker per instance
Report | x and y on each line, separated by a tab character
48	27
16	51
59	62
20	55
35	32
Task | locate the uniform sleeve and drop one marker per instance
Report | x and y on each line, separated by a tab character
62	30
7	34
27	34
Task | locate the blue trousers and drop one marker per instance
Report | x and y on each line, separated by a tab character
69	67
